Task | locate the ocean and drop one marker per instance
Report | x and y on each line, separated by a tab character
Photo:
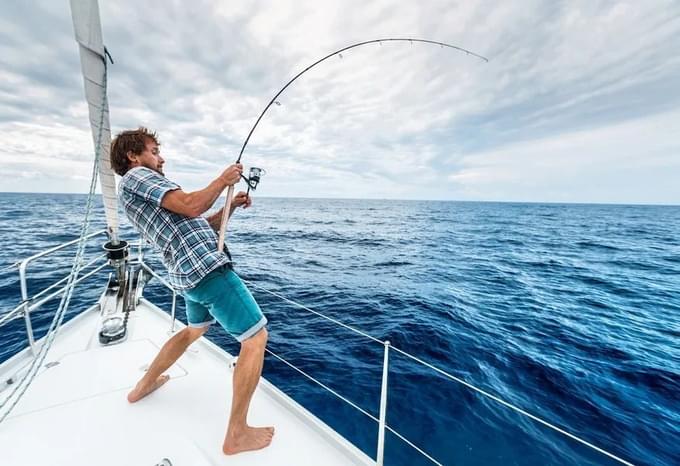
571	312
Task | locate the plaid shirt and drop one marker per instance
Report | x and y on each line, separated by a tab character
188	244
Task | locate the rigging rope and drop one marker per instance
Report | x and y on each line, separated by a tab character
20	389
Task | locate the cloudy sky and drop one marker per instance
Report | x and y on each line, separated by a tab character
579	101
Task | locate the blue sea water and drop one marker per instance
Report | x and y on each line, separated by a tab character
571	312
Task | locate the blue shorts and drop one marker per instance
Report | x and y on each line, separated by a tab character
222	296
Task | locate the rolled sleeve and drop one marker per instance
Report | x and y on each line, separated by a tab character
148	185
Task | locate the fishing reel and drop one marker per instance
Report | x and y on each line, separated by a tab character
254	177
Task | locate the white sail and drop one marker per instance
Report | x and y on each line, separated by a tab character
88	32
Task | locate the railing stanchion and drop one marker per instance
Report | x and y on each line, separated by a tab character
174	302
27	312
383	406
29	329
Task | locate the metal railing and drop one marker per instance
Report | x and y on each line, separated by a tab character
381	420
383	392
32	303
29	305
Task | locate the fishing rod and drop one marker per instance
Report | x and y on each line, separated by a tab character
255	173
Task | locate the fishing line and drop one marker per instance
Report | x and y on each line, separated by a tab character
230	191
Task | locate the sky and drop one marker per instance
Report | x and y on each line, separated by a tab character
579	101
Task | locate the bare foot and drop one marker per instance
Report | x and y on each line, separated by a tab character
251	438
140	392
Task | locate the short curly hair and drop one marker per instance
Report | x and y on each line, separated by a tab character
133	140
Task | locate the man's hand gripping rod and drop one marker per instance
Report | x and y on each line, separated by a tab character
252	180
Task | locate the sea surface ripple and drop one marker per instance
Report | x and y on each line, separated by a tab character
571	312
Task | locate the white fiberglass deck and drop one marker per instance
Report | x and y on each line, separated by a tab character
76	412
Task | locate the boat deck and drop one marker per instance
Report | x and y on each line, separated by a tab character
75	412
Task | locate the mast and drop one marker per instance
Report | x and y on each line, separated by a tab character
88	32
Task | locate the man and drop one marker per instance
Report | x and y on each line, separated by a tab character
171	219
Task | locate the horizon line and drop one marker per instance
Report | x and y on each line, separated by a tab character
649	204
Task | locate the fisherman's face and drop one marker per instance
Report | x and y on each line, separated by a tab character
151	157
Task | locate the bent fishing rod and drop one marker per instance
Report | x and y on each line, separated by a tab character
256	173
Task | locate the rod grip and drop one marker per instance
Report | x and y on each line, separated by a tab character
225	218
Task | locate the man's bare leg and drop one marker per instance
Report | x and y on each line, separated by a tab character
169	353
240	436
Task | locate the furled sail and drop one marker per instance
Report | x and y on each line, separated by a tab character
88	32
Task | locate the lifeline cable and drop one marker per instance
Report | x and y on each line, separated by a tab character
9	267
230	191
436	369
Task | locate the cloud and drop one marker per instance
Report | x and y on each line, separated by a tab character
616	164
594	84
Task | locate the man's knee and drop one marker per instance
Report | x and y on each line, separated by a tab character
194	333
259	340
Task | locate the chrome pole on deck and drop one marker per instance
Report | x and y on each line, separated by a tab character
26	311
383	407
174	303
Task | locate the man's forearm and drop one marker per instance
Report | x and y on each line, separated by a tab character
197	203
201	201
